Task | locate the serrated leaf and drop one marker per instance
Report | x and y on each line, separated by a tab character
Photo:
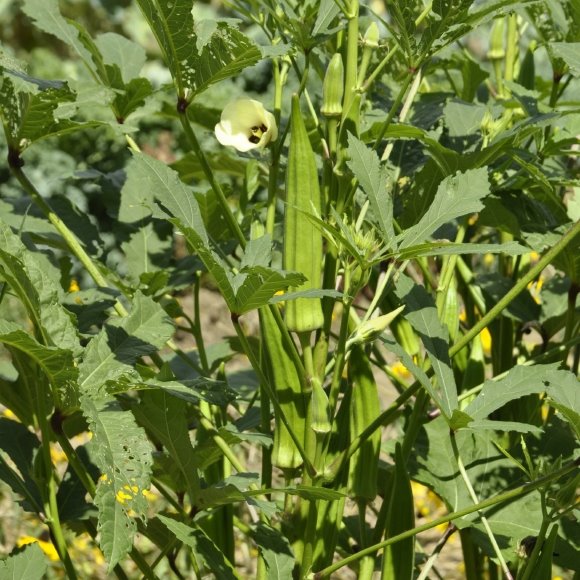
451	248
149	179
275	550
57	363
520	381
114	351
366	166
146	251
126	54
569	52
28	564
165	417
327	12
564	392
457	195
47	17
122	452
421	312
226	53
203	548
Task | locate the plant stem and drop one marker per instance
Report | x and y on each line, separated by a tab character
70	238
49	489
475	499
518	287
492	501
350	71
209	174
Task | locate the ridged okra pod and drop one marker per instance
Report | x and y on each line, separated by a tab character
288	390
302	239
365	408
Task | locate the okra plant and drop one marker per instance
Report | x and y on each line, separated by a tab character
276	276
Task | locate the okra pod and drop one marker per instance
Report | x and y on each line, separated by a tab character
288	390
302	239
365	408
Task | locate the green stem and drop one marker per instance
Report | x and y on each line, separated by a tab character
66	233
350	71
533	559
209	174
475	499
220	442
518	287
196	326
570	315
50	489
510	495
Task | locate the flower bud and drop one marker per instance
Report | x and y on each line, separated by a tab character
333	88
320	419
371	37
373	328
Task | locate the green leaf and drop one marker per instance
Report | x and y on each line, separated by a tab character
227	52
126	54
275	550
519	381
463	118
451	249
569	52
564	393
47	17
165	417
28	564
122	452
146	252
149	179
57	363
203	548
456	196
366	166
114	351
421	312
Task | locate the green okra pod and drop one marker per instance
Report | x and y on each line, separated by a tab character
302	239
288	390
365	408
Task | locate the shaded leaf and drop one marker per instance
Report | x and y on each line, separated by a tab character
28	564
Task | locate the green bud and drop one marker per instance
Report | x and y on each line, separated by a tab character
371	37
373	328
333	88
496	44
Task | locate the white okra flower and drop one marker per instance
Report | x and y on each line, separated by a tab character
246	125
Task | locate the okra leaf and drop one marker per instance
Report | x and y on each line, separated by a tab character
118	50
421	312
569	52
451	248
57	364
226	52
165	417
519	381
366	166
457	195
275	550
123	453
327	12
564	395
149	179
114	351
47	17
203	548
30	563
314	293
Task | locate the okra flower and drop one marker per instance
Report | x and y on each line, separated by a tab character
246	125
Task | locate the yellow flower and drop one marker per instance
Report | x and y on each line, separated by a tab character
73	286
46	547
485	337
246	125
